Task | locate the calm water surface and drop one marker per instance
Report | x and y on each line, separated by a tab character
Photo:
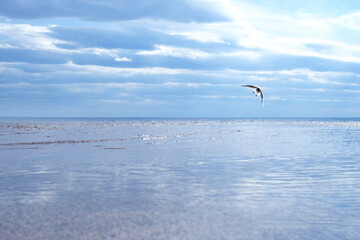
180	179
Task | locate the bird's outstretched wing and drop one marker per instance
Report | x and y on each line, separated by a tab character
262	98
250	86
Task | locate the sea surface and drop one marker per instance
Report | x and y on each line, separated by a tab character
81	178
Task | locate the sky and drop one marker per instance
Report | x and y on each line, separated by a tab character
183	58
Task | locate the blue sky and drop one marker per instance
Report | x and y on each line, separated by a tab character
138	58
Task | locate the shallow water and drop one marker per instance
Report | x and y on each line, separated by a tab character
180	178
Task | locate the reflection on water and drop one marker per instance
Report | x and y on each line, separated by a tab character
193	179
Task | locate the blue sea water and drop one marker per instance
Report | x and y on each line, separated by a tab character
179	178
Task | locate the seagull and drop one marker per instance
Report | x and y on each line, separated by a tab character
256	91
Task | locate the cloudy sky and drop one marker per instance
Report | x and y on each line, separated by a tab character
179	58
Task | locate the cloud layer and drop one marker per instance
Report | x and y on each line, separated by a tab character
110	10
141	58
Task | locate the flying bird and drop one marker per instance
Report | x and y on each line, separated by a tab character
256	91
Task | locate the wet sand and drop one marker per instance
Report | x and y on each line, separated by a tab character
90	221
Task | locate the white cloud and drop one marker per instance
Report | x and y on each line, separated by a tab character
324	49
352	91
29	37
96	51
8	46
117	71
114	101
276	98
193	85
260	30
77	88
221	96
15	85
329	100
230	77
123	59
137	101
201	36
202	84
295	72
252	27
25	36
251	55
175	52
351	20
198	54
319	90
211	96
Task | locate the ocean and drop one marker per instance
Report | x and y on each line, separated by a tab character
94	178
